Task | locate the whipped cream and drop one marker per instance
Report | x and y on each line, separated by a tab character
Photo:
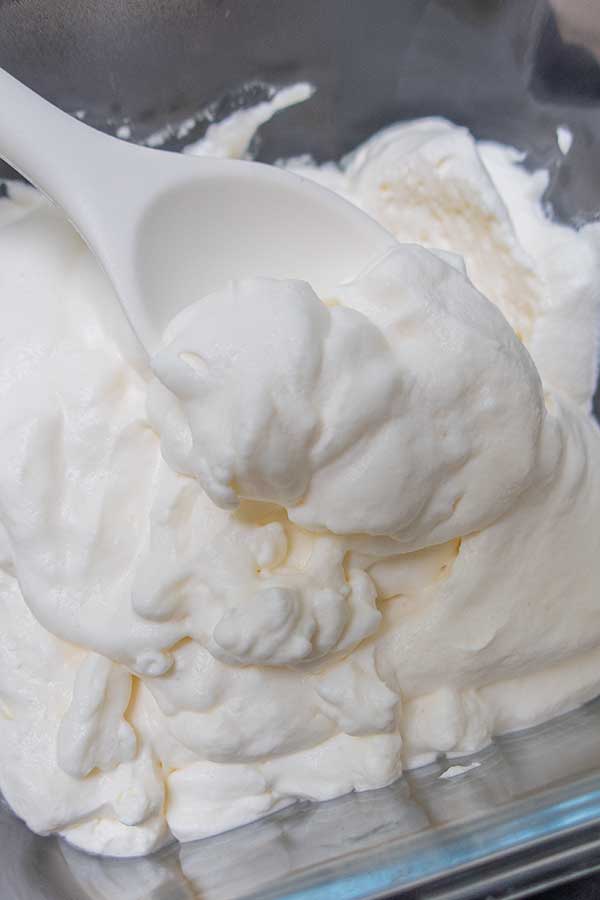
342	413
327	537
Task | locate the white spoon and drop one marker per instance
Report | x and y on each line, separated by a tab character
168	228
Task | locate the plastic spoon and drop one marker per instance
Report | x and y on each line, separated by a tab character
168	228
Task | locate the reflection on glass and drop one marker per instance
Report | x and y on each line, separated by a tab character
422	824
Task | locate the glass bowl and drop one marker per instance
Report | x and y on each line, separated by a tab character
526	811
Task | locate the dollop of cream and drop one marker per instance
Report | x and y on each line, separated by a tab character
404	405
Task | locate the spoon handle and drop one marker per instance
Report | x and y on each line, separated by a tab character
53	150
95	178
